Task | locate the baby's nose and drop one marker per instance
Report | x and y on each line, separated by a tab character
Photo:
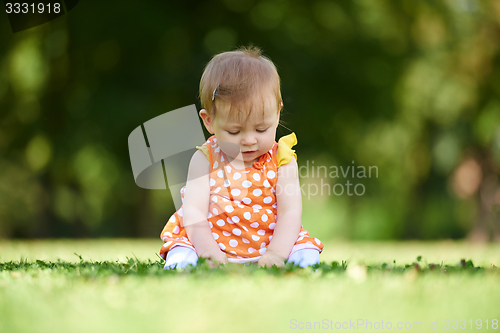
248	140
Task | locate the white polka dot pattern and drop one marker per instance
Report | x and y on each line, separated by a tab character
242	208
246	183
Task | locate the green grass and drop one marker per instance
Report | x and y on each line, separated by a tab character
120	286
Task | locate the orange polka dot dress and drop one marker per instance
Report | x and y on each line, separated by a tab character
243	210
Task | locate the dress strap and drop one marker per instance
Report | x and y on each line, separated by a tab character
205	150
285	151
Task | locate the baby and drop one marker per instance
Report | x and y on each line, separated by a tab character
242	200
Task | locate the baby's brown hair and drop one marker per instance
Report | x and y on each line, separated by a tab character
237	78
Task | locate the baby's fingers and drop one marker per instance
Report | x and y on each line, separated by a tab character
214	263
266	262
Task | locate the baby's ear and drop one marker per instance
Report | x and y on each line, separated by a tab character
207	121
279	113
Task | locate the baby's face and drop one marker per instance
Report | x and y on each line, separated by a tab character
253	135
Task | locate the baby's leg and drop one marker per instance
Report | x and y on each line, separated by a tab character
305	257
180	257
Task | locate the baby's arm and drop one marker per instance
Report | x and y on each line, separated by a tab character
195	208
289	221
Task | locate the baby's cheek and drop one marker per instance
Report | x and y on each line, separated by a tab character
230	149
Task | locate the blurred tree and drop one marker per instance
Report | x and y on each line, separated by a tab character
411	87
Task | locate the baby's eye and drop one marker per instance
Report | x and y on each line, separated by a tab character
261	130
233	133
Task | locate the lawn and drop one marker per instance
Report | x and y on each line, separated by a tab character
119	286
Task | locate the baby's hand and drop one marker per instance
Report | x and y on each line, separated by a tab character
271	258
215	256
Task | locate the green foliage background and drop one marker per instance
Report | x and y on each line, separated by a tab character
411	87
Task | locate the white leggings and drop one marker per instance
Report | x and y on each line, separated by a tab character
181	256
